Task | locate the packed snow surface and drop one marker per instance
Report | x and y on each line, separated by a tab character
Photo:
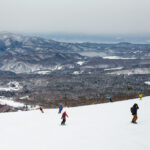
96	127
147	82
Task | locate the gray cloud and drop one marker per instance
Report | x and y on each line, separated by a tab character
86	16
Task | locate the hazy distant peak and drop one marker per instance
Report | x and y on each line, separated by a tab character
124	43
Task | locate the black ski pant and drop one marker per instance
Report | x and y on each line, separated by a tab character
63	122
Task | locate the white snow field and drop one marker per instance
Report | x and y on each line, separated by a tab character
96	127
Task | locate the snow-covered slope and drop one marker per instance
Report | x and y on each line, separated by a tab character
96	127
132	71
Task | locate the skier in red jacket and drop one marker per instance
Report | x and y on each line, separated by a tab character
64	115
41	110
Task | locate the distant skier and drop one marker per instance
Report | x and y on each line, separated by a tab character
110	99
64	115
140	96
60	108
41	110
134	109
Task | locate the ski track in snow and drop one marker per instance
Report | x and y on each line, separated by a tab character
95	127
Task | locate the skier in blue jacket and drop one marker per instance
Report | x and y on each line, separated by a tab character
60	108
110	99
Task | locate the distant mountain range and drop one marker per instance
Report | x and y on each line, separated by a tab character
26	54
95	38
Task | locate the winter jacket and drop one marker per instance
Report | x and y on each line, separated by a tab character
134	109
140	95
64	115
110	99
60	107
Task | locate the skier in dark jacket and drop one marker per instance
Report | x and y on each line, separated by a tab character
110	99
64	115
134	109
60	108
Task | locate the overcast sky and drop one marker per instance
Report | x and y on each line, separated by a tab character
76	16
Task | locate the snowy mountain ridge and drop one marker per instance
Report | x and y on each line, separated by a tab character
26	54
